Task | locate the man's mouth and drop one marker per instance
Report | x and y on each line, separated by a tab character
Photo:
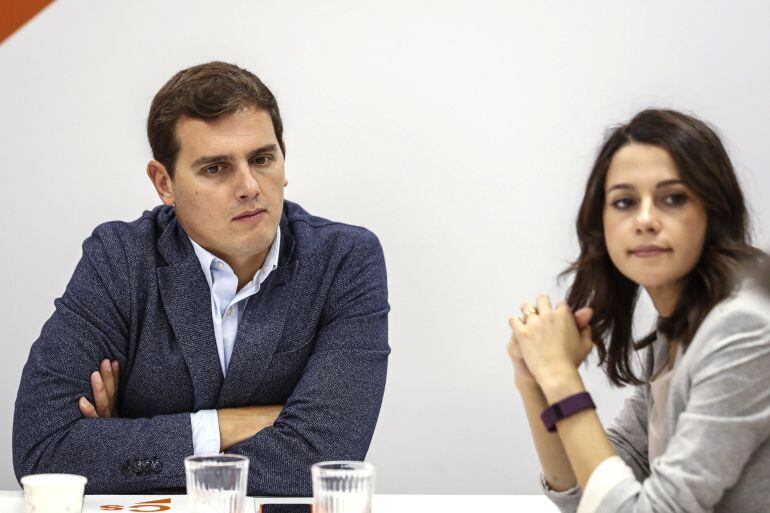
251	215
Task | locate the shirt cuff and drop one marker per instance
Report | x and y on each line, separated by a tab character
205	432
604	478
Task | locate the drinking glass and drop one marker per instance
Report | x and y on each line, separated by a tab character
216	483
342	486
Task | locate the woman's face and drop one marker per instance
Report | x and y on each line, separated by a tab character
654	226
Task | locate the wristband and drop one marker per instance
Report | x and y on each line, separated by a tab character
565	408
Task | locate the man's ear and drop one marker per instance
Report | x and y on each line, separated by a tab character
162	181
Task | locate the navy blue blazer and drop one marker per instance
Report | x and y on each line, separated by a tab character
314	338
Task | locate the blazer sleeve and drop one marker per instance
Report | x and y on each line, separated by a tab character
725	420
333	409
91	322
628	432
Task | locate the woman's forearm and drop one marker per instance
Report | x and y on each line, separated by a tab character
582	436
553	459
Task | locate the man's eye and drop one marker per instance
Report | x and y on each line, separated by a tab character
212	170
262	160
675	199
623	203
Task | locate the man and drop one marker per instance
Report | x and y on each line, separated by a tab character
226	319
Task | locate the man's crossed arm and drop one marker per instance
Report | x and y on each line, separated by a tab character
236	425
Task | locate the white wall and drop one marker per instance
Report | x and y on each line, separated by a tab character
460	132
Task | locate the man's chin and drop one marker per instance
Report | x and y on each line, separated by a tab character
254	246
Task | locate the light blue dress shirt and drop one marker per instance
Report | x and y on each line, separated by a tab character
227	307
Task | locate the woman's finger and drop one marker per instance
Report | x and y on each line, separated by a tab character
583	317
513	348
587	339
543	304
517	325
528	310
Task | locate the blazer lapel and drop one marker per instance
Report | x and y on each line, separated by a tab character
261	327
187	301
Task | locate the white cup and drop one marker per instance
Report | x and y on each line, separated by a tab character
54	493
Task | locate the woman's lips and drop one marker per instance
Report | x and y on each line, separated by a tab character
649	251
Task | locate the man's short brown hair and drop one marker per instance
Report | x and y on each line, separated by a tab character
207	91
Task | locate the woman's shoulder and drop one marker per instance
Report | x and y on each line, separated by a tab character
742	318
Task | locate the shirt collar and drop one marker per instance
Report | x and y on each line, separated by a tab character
271	261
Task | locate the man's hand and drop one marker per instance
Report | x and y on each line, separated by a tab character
237	425
104	384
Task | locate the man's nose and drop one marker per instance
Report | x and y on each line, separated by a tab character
247	185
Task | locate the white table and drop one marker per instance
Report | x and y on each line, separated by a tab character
382	503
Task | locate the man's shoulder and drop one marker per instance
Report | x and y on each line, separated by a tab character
150	220
136	237
317	234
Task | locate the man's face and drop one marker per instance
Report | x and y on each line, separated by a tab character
228	183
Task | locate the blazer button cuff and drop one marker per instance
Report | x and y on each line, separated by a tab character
138	467
127	468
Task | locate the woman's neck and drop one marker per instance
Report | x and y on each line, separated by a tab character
665	297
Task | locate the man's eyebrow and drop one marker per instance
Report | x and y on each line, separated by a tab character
664	183
210	159
263	149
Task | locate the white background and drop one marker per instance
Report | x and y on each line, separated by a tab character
461	133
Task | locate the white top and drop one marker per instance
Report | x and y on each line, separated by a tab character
659	387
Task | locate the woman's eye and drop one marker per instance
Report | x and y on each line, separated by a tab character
675	199
623	203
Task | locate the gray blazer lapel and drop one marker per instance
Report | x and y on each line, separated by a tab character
187	301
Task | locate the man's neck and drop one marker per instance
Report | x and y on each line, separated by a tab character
246	268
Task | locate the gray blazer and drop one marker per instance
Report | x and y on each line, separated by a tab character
314	338
717	424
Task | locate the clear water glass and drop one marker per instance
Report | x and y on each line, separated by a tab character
216	483
342	486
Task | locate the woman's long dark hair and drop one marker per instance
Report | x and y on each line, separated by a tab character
706	169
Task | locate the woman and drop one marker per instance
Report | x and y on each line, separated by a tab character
662	210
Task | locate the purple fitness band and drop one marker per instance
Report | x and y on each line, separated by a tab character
565	408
